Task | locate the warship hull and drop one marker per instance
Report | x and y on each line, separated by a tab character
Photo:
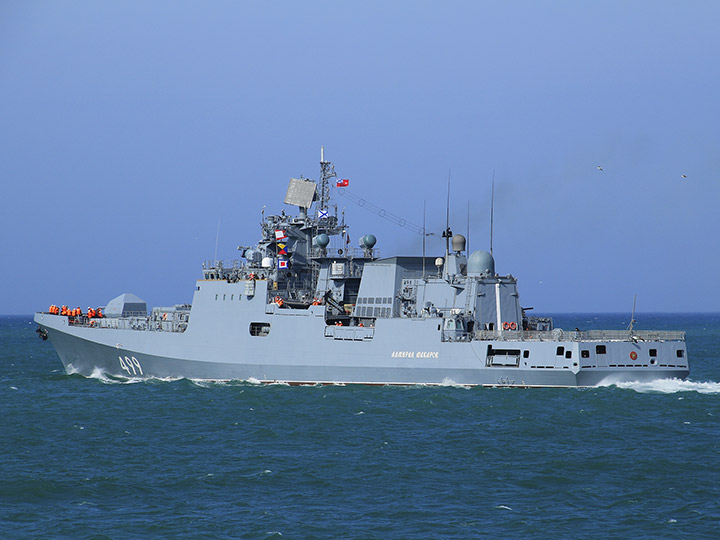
304	307
344	355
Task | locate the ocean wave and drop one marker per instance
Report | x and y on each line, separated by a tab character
671	386
99	374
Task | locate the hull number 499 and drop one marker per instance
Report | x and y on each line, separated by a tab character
131	365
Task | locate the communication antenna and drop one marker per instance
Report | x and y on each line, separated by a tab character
447	233
467	247
423	233
217	237
632	317
492	211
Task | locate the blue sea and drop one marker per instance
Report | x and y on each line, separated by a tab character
102	458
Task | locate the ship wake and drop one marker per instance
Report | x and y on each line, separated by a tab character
671	386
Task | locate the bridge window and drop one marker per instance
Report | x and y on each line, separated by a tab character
568	354
259	329
600	349
560	351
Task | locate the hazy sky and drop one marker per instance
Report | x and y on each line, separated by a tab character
130	128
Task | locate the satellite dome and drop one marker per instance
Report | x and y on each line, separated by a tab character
322	240
458	243
368	241
481	262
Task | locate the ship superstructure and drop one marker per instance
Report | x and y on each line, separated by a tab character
304	306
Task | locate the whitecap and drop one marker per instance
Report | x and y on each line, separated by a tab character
503	507
447	381
671	386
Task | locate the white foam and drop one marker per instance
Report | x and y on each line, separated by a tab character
503	507
100	375
447	381
671	386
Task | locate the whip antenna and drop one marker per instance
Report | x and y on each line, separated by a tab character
447	233
492	211
632	317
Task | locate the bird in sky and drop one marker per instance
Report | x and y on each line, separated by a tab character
600	168
683	176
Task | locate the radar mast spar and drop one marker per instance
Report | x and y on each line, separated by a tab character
327	171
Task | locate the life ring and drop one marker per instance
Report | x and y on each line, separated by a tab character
513	325
279	301
633	355
506	326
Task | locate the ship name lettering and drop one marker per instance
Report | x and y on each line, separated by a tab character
415	354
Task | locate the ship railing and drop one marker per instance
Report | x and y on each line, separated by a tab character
343	253
222	264
580	335
137	321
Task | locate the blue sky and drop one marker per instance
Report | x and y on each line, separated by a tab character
131	128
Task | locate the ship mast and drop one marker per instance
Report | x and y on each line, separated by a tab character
327	171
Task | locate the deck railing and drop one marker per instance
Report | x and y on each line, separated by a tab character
581	335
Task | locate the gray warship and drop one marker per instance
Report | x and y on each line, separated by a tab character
302	306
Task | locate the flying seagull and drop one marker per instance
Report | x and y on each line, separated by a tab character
683	175
600	168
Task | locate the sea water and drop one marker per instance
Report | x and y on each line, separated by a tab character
104	458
